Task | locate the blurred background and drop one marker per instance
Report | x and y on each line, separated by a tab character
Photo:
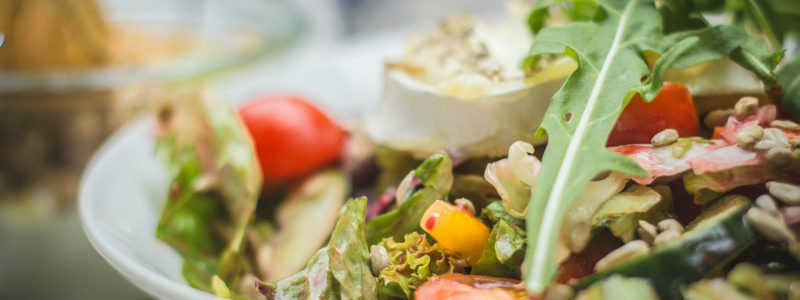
73	71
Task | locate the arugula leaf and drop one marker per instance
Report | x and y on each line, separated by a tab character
436	174
609	52
216	181
337	271
575	10
789	80
503	254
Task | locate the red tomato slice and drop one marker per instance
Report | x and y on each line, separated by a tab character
292	137
673	108
467	287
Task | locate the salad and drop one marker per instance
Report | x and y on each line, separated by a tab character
647	175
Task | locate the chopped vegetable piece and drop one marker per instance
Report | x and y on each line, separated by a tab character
455	230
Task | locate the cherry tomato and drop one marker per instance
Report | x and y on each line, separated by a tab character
673	108
292	137
467	287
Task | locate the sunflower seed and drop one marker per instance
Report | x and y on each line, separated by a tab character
378	258
794	143
647	231
667	237
768	225
665	137
779	156
785	124
766	203
787	193
717	117
775	134
749	136
465	204
745	107
670	224
765	145
623	253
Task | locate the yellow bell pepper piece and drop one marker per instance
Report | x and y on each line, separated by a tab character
455	230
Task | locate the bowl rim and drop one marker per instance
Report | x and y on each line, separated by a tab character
174	71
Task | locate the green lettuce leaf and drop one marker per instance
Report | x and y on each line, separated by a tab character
215	185
708	186
412	262
436	174
337	271
496	212
349	254
620	213
609	52
503	254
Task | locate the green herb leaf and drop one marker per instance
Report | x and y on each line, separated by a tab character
609	52
575	10
504	252
436	174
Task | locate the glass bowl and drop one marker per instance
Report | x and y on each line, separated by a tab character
52	121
